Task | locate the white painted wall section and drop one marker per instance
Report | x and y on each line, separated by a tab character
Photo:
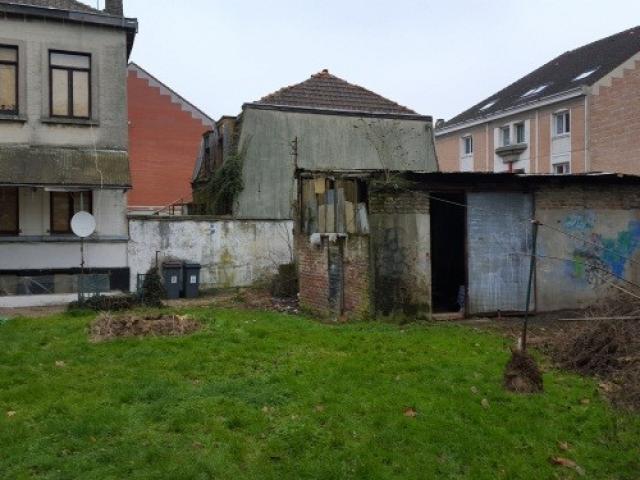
233	253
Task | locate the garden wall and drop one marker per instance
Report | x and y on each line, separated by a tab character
233	253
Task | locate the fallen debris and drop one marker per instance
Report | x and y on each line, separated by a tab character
565	462
607	349
108	326
522	374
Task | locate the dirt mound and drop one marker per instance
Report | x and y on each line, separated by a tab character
522	374
108	326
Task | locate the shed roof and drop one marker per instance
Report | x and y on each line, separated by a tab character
576	68
326	91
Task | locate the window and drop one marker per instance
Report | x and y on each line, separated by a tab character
561	168
562	123
505	135
520	138
70	85
9	211
467	145
8	80
64	205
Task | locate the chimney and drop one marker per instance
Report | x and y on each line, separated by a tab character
114	7
440	123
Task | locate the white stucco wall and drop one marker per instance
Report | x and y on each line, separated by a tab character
40	255
36	248
233	253
109	210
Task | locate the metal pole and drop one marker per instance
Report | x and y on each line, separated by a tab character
81	280
532	268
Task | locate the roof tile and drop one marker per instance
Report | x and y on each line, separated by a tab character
327	91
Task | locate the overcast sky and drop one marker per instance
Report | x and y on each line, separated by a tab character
436	57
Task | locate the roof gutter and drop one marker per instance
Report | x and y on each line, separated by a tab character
330	111
130	25
544	101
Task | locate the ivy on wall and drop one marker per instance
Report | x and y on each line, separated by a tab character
226	183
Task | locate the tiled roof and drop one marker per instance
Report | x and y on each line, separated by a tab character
327	91
70	5
575	68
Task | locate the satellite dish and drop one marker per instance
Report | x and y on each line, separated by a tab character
83	224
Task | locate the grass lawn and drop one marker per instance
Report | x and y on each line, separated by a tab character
263	395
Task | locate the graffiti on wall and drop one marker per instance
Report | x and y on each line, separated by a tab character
594	261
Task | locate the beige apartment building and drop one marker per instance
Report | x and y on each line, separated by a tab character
578	113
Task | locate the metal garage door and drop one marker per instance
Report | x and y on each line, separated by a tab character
498	244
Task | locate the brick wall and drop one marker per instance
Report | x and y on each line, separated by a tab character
608	197
313	265
164	141
399	202
614	119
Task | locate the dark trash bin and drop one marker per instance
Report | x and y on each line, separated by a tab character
172	273
191	280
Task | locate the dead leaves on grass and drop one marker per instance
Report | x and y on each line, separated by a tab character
410	412
567	463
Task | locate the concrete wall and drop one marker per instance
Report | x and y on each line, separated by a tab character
324	142
107	47
232	253
401	246
572	273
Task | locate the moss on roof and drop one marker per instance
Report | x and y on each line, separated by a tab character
63	166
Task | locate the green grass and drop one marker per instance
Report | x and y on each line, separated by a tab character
267	396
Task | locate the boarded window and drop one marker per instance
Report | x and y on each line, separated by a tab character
334	206
64	205
8	80
8	210
70	82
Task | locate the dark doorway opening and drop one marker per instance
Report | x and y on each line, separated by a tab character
448	265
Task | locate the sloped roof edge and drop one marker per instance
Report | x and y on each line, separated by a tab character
186	105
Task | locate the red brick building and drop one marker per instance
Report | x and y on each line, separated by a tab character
165	132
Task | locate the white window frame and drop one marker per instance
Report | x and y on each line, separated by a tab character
566	123
466	139
524	132
566	166
505	129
